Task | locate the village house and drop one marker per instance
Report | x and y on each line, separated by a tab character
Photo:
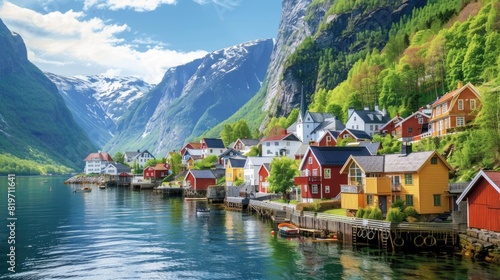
319	171
244	145
115	168
482	197
354	135
251	170
157	172
329	139
412	127
366	120
389	128
284	144
311	126
95	163
211	146
264	172
234	170
420	179
199	179
229	153
454	110
138	157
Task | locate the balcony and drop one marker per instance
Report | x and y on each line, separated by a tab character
307	180
395	187
378	185
351	189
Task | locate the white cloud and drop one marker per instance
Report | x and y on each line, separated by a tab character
228	4
68	44
136	5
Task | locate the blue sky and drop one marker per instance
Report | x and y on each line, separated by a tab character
134	37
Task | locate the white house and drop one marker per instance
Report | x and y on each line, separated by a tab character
97	162
251	169
367	120
285	144
211	146
116	168
244	145
138	157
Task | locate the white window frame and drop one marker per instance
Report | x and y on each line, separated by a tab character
460	104
460	121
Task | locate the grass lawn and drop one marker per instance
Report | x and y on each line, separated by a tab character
340	211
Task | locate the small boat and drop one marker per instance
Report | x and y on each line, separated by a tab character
202	210
45	182
102	187
287	229
85	189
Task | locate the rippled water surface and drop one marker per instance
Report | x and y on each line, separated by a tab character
121	234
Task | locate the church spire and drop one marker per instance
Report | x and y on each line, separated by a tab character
302	102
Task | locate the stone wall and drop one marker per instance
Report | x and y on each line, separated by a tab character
481	245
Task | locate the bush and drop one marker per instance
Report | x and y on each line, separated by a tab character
367	213
410	212
399	203
318	206
360	213
395	215
376	214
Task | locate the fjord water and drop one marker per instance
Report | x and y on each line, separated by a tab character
117	233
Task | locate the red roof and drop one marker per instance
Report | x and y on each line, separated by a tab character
451	94
100	156
160	166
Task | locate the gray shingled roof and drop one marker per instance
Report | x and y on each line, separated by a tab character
203	174
237	163
330	124
372	116
393	163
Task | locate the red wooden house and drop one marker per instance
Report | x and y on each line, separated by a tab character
158	171
264	171
483	201
412	126
328	140
320	176
389	128
199	179
356	135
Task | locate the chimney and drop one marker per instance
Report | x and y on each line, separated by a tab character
376	108
366	108
460	84
405	148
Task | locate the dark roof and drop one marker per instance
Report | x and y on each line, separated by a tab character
120	167
249	142
371	146
237	163
337	155
359	134
330	124
372	116
267	166
214	142
202	174
228	151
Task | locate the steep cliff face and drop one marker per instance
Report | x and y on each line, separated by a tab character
35	123
194	97
301	18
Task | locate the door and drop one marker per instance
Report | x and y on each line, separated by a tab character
382	204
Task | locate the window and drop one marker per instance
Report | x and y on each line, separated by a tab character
327	189
408	179
460	104
410	129
314	189
288	143
437	200
460	121
396	180
315	172
369	199
328	173
371	127
472	104
355	175
354	118
438	110
305	188
434	160
310	160
276	143
420	120
376	127
268	144
409	200
328	138
445	107
211	151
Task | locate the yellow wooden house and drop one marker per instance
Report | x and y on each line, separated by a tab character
235	170
420	179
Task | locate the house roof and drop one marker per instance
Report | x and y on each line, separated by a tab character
267	166
393	163
330	124
249	142
193	152
131	154
99	155
412	116
448	96
120	167
372	116
214	142
358	134
193	145
258	160
237	162
288	137
201	174
228	151
396	120
372	147
493	178
334	155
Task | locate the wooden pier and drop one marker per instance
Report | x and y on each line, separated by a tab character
236	203
357	231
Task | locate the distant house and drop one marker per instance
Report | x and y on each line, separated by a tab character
420	179
234	170
367	120
355	135
159	171
264	172
116	168
483	201
310	126
412	126
199	179
251	170
389	128
319	171
229	153
189	157
95	163
329	139
455	109
285	144
211	146
138	157
244	145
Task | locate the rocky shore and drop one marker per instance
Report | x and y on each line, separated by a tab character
86	179
481	245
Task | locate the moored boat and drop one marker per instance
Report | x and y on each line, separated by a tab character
287	229
202	210
85	189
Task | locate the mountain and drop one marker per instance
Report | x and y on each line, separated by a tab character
98	102
193	98
35	124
